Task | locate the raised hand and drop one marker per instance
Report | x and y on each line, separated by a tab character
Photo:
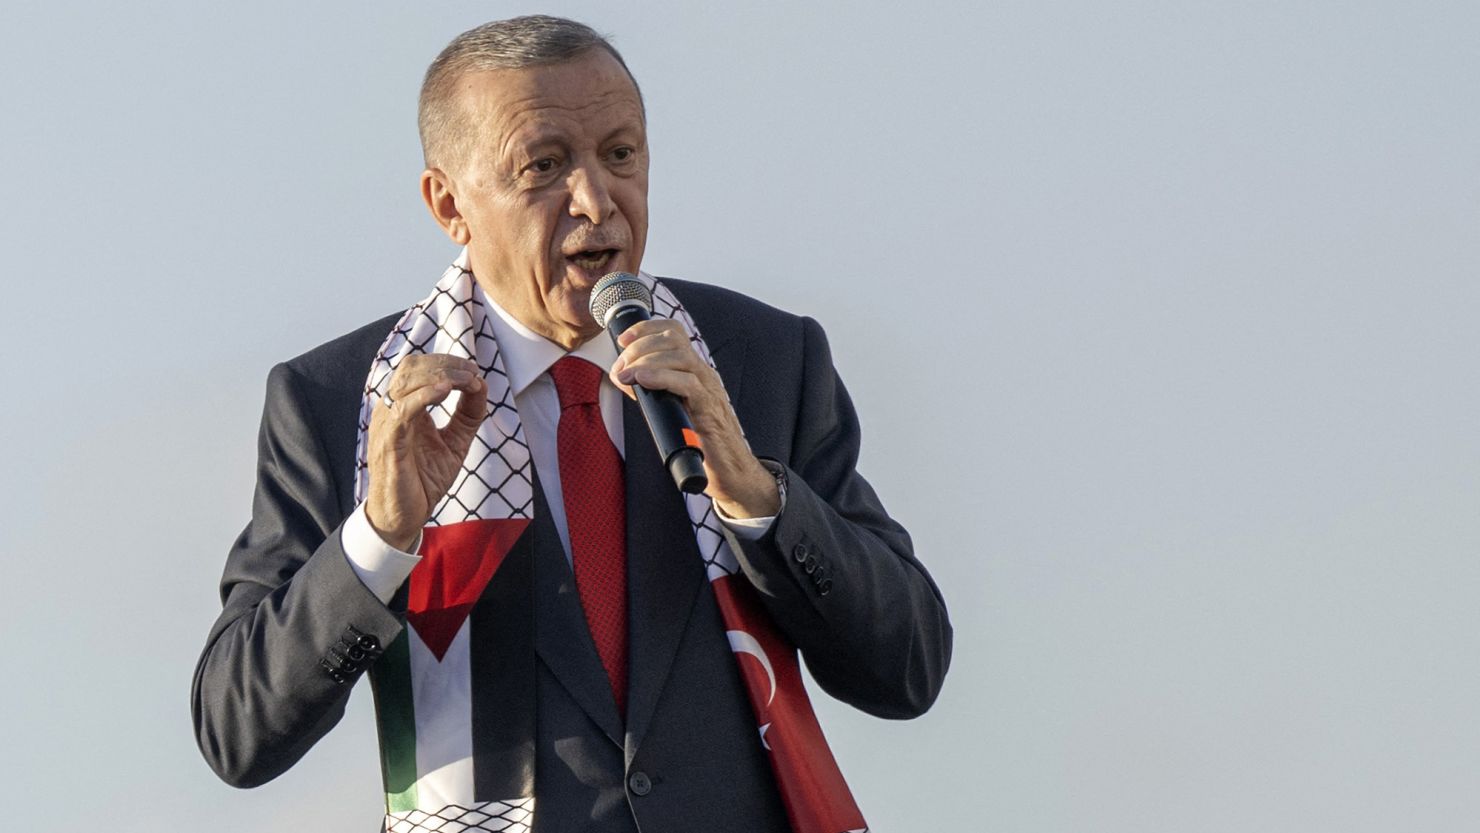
412	462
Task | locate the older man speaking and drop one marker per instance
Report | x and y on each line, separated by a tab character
463	501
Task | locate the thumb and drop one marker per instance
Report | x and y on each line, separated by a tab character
468	415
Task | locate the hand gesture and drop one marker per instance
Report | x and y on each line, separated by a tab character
412	462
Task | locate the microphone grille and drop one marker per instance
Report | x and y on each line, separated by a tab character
618	289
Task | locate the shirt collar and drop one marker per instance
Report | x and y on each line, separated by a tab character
527	355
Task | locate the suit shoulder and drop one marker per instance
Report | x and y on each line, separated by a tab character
344	360
723	313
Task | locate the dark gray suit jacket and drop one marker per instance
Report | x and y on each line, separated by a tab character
835	572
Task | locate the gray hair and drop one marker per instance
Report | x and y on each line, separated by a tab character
516	43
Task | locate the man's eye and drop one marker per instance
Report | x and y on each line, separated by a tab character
543	166
623	154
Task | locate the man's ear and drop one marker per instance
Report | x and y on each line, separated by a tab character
439	193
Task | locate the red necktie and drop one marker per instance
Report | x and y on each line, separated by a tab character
594	492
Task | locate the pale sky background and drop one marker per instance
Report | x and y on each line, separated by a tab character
1160	316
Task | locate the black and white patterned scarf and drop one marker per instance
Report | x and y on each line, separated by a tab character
476	544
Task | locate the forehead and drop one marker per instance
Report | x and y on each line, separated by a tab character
591	93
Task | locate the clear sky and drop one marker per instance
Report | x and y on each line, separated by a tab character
1161	318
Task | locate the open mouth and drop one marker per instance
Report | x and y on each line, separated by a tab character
592	259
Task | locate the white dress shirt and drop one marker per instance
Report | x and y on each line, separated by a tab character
527	358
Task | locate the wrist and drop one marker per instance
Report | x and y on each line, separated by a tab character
396	539
754	494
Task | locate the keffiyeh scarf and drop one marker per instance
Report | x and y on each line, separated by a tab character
477	555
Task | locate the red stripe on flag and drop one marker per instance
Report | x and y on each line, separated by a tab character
457	561
812	787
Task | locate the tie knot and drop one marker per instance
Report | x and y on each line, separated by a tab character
577	382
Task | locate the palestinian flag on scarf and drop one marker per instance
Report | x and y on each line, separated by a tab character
458	757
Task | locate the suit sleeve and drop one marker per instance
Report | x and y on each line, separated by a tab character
297	627
837	574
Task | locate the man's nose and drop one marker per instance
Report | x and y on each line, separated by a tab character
590	196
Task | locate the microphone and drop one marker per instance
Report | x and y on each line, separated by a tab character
618	301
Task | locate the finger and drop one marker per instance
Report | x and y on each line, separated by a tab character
473	388
625	388
681	359
467	417
420	370
438	360
650	327
658	361
414	403
678	382
670	339
615	377
676	345
421	364
402	384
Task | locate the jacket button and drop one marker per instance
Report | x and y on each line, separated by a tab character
824	588
337	677
640	783
810	564
799	552
369	643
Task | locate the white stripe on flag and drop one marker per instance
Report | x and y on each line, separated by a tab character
444	708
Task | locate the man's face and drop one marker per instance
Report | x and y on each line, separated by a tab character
553	193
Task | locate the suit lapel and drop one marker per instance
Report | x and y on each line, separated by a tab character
562	638
727	351
664	573
664	576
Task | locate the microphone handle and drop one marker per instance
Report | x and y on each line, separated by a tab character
673	432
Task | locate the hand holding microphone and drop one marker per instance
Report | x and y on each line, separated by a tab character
618	302
683	400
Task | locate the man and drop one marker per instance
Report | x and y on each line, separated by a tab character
557	637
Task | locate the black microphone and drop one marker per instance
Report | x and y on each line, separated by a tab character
618	301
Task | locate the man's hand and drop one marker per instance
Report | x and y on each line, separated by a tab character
412	463
657	355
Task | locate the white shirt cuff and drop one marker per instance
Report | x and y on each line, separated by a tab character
753	529
746	529
381	567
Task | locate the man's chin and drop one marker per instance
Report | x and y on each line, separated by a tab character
571	315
